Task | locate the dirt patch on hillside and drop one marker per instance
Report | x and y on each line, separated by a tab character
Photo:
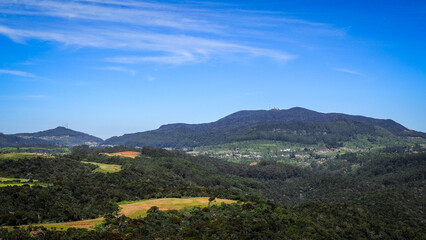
76	224
128	154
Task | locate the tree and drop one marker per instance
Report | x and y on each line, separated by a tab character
211	200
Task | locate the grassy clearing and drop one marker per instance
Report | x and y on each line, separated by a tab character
20	156
18	184
8	182
334	153
128	154
51	150
139	209
23	180
105	168
89	224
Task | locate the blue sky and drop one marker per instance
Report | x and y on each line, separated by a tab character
109	67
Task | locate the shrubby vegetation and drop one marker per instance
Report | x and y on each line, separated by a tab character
239	221
45	149
382	198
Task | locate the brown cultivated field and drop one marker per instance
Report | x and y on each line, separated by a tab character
128	154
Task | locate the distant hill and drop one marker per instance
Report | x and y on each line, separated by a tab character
294	125
57	136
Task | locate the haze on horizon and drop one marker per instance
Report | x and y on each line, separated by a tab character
109	67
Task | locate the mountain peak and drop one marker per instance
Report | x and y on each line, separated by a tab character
299	109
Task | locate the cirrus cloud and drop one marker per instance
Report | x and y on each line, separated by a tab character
146	31
17	73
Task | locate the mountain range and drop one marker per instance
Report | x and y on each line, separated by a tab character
294	125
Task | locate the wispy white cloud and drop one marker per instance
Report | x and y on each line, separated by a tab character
23	97
118	69
172	59
129	12
175	49
34	96
348	71
17	73
149	31
80	84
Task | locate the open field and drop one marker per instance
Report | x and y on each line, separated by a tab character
8	182
23	180
128	154
17	184
49	150
19	156
139	209
105	168
90	223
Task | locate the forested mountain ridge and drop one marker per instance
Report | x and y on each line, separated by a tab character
294	125
57	136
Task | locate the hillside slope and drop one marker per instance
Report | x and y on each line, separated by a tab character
59	136
11	140
381	199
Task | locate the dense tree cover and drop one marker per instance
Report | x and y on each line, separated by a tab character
240	221
382	198
331	133
66	199
391	185
78	193
263	221
84	149
41	148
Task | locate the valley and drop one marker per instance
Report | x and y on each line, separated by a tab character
298	154
213	120
84	197
332	178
